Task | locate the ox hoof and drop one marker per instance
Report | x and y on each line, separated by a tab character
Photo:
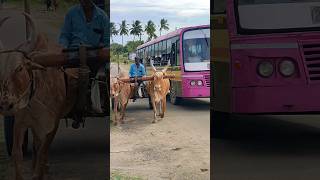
115	123
154	121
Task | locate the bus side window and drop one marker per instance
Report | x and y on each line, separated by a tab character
173	54
177	63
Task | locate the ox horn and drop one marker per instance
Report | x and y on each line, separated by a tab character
166	68
152	66
3	20
31	44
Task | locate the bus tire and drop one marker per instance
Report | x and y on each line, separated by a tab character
173	97
219	125
8	134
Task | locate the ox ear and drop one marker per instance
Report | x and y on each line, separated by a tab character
34	66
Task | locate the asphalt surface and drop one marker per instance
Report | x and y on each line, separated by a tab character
269	147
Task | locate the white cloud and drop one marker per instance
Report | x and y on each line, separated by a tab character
179	13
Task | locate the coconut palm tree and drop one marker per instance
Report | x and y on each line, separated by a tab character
113	30
163	25
123	30
150	29
136	29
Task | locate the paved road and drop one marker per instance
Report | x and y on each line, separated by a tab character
269	147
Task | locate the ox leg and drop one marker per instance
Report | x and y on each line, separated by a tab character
36	146
19	133
42	167
154	111
46	149
123	112
40	160
115	110
163	107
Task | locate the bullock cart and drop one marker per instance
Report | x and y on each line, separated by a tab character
143	86
95	57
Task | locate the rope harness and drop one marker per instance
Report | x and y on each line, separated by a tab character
30	90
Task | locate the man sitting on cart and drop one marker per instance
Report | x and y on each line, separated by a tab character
137	70
88	25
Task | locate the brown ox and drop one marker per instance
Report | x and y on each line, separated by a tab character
37	98
121	93
158	90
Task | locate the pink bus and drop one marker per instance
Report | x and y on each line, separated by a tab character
265	56
188	50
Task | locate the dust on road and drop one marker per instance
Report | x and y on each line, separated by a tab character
177	147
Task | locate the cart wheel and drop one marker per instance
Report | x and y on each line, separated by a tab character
112	104
8	133
150	103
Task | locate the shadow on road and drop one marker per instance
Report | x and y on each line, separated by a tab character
195	104
268	147
274	134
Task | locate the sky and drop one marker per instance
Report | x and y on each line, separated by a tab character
179	13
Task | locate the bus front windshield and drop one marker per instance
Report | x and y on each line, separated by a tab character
196	50
278	15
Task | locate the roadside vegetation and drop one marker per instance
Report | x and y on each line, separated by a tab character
121	176
120	52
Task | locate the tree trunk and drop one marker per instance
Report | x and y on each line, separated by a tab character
122	40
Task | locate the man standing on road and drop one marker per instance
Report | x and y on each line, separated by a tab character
137	70
88	25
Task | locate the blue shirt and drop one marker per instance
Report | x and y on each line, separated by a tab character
76	30
134	71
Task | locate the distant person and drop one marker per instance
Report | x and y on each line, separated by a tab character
137	70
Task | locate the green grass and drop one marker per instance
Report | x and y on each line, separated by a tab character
121	176
4	160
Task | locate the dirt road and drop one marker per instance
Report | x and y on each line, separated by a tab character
177	147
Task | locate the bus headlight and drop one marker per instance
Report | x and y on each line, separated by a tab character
193	83
265	69
200	83
287	68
